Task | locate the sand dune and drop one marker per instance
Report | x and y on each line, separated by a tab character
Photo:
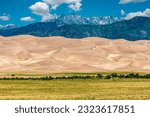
57	54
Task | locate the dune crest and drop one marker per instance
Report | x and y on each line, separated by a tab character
58	54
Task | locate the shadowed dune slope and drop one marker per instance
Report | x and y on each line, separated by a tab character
58	54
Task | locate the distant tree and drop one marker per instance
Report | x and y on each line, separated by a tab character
114	75
131	75
121	76
108	77
47	78
100	76
146	76
12	74
137	75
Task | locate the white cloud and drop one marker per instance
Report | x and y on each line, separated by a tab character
72	4
122	12
75	7
44	8
41	9
27	19
129	1
4	18
145	13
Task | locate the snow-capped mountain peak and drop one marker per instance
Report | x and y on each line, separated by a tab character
8	26
76	19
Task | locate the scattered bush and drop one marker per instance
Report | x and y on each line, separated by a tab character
114	75
12	74
108	77
99	76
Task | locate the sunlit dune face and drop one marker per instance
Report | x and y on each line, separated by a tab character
58	54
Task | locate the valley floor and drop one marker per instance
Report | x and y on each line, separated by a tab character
76	89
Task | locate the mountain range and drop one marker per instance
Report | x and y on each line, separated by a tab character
74	26
8	26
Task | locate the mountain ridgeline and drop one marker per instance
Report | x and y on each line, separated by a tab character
73	26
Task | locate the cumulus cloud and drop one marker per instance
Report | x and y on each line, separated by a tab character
145	13
129	1
72	4
4	18
75	7
41	9
27	19
44	8
122	12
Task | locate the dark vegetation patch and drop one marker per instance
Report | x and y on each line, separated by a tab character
98	76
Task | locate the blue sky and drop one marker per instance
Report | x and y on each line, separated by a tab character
23	12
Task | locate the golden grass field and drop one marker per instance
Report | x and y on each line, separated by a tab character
76	89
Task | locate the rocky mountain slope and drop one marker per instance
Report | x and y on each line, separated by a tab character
73	26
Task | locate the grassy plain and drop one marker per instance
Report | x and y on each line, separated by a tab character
76	89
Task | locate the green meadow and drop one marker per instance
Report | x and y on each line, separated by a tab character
74	89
